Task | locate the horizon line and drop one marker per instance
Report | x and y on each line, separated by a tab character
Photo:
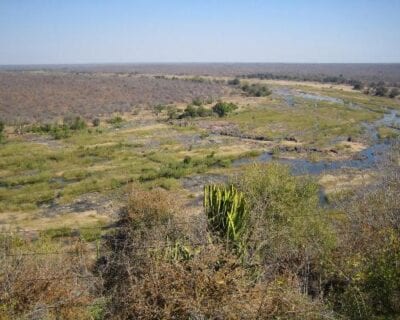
182	62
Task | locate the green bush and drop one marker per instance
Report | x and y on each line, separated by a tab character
59	131
234	82
74	123
256	90
394	92
223	108
172	112
96	122
116	120
364	274
197	102
285	216
193	111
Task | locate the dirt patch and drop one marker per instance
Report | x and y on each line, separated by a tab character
353	147
339	182
93	202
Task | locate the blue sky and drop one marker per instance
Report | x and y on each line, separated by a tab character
101	31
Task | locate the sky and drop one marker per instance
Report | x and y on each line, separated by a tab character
135	31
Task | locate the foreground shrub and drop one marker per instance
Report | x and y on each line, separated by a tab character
166	272
286	225
365	276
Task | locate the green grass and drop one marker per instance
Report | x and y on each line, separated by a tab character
316	123
388	133
105	159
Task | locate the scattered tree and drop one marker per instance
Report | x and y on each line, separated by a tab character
380	91
394	92
223	108
234	82
96	122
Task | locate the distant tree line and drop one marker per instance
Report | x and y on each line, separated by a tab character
381	88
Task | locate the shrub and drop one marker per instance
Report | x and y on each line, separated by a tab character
224	108
197	102
74	123
96	122
153	272
364	279
285	216
203	112
190	111
380	91
159	108
234	82
256	90
193	111
172	112
394	92
116	121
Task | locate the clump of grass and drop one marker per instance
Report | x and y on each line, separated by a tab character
388	133
179	169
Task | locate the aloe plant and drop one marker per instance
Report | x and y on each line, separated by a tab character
226	211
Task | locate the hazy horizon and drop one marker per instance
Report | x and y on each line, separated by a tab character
152	32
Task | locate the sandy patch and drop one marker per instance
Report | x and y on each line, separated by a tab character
339	182
34	220
353	146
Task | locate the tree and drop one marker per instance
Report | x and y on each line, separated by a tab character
380	91
158	109
96	122
172	112
394	93
234	82
197	101
357	85
203	112
223	108
190	111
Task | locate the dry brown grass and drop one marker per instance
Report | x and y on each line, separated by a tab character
153	271
44	286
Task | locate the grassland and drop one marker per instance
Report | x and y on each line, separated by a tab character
75	176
